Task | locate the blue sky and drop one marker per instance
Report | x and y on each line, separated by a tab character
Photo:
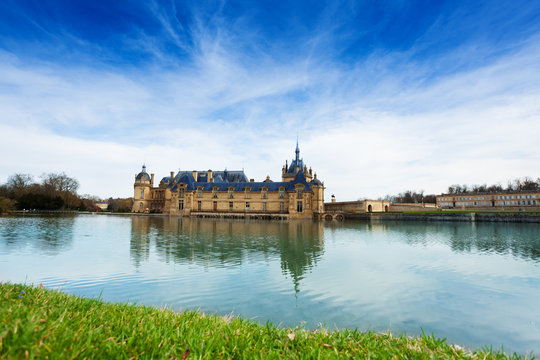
384	96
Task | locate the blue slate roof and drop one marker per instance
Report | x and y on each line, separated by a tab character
218	176
187	179
316	182
297	162
143	174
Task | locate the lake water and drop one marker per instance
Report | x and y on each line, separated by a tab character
473	284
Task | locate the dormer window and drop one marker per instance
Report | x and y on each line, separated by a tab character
181	195
281	193
248	190
231	193
215	193
199	193
264	193
299	193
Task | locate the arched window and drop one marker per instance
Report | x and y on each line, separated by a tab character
142	193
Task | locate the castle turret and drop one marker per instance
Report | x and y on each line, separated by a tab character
297	165
142	191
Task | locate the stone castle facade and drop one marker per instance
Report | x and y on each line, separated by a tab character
209	193
510	200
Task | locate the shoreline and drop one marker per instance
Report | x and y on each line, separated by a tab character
43	323
420	216
458	216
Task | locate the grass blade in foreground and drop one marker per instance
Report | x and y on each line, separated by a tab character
45	323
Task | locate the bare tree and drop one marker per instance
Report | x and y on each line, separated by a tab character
60	185
411	196
6	204
19	184
528	183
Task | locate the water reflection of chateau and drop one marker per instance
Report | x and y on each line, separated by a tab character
227	243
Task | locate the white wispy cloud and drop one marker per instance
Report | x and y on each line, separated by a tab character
382	125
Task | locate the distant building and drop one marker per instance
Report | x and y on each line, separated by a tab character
512	199
102	204
299	194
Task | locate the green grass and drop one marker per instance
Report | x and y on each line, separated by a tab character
38	323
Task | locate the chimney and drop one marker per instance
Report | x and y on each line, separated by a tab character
151	179
210	178
251	180
194	173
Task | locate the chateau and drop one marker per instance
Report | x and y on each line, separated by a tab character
209	193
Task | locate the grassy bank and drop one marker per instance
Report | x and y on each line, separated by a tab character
44	323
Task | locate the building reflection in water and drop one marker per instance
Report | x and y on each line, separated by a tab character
517	239
228	243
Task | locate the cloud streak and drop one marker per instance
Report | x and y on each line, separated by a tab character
219	92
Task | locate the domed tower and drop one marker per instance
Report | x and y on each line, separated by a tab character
142	191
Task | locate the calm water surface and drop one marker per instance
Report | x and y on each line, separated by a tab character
474	284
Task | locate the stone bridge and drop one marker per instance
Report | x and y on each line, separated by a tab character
338	215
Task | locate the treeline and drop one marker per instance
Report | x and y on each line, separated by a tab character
411	197
120	205
524	184
53	192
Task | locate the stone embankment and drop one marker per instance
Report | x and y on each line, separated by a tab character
515	217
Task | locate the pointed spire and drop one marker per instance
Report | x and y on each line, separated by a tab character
297	151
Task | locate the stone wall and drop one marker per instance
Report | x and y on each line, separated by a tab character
412	207
498	208
345	206
516	217
358	206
